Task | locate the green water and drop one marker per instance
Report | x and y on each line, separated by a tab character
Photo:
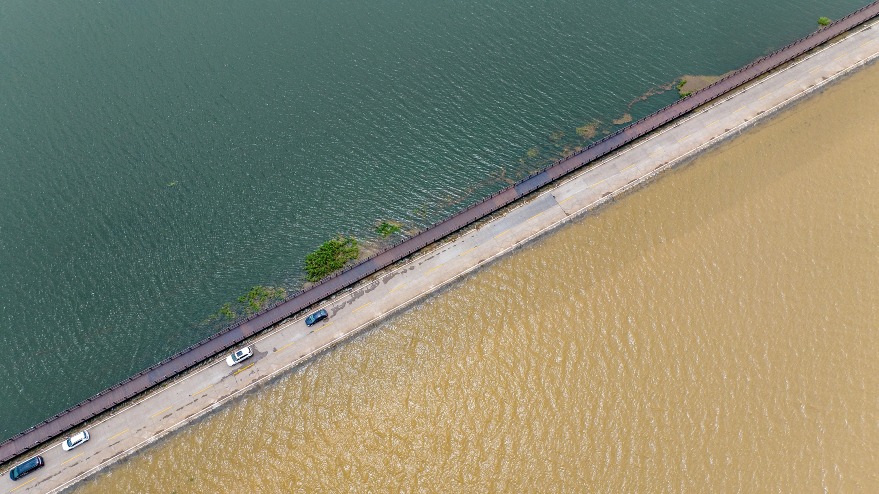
157	159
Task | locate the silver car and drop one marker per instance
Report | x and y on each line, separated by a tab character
242	354
75	440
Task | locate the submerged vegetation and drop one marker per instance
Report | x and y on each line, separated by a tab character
589	130
556	136
626	118
387	228
251	302
227	312
330	257
260	296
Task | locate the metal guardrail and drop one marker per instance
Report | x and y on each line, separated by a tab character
241	330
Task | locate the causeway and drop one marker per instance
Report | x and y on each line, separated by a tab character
563	191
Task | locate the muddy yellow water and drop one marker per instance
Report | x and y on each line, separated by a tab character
717	331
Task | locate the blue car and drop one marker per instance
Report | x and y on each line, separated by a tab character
26	468
316	317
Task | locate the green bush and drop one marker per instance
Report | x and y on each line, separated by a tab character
824	21
387	228
253	301
330	257
227	312
259	296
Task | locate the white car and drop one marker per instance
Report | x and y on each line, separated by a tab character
75	440
242	354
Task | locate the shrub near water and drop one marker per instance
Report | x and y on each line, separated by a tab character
330	257
227	312
387	228
259	296
251	302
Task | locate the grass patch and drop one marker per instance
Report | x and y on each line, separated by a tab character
330	257
260	296
251	302
824	21
227	312
387	228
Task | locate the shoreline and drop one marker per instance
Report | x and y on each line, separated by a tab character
573	197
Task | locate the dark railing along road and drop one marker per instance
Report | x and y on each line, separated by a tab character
238	332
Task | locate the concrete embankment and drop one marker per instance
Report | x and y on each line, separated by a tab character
292	343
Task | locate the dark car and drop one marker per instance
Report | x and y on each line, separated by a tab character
26	468
317	316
